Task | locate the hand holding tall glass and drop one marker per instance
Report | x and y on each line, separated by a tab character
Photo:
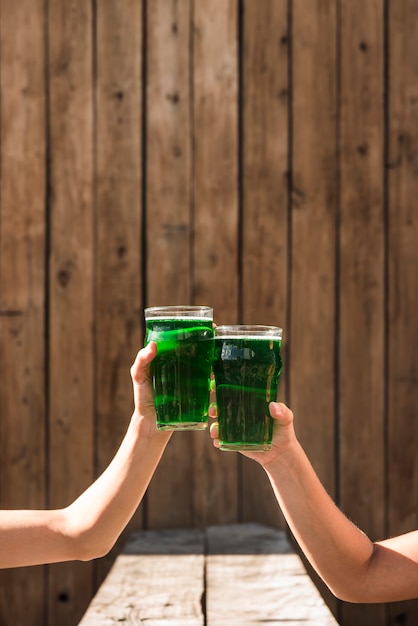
181	370
247	365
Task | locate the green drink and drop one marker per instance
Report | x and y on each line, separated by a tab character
247	365
181	370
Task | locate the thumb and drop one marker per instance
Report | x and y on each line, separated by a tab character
139	370
281	413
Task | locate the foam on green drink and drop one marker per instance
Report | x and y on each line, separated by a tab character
247	370
181	370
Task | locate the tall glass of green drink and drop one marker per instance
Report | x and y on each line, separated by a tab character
247	364
181	370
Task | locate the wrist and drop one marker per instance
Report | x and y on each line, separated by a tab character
145	431
284	455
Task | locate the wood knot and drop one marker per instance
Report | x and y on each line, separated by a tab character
63	597
121	251
174	98
63	278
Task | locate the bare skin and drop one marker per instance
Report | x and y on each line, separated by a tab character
90	525
354	568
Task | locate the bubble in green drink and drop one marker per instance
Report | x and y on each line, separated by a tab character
247	365
181	370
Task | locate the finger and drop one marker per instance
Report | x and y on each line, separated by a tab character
214	430
212	392
213	410
281	412
139	370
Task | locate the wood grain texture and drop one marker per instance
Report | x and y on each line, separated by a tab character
118	225
71	389
403	264
254	577
22	287
264	147
169	222
265	93
238	573
158	580
362	287
148	149
314	224
168	148
402	332
215	157
215	222
314	219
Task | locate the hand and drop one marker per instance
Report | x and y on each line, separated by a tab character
283	433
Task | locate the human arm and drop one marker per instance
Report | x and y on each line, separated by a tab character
89	526
353	567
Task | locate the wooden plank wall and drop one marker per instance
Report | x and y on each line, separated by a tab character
256	155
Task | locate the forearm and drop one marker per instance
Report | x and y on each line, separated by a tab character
337	549
32	537
98	516
89	526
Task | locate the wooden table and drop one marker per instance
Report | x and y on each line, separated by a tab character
234	575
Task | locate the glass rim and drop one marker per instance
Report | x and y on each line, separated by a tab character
181	311
249	330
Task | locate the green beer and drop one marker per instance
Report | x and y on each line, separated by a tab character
247	365
180	372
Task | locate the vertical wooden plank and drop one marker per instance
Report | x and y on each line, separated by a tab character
255	571
215	157
314	219
215	218
168	152
314	222
264	198
158	579
168	220
22	288
362	317
118	224
402	330
71	283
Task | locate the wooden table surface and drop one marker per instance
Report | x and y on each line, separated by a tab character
234	575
